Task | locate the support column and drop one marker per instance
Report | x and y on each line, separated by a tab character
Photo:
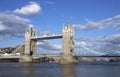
33	47
68	45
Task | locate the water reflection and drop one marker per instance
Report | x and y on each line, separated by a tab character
28	70
56	70
68	71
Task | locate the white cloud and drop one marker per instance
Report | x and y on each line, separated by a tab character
105	44
46	47
31	25
113	22
12	26
2	27
49	46
49	2
113	39
30	9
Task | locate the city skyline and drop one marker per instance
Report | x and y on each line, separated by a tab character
96	23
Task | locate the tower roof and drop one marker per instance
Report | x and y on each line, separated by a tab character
68	24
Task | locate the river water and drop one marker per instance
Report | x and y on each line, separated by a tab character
82	69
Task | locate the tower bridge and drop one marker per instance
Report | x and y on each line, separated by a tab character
67	44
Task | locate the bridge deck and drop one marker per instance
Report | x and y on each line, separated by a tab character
9	57
96	56
37	57
46	37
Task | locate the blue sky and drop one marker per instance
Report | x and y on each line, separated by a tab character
96	22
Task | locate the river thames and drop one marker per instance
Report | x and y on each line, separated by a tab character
81	69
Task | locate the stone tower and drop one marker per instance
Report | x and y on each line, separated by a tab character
68	45
30	45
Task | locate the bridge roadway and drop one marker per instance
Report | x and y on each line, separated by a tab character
46	37
16	57
39	56
9	57
96	56
34	56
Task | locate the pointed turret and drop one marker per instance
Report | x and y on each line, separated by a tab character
68	24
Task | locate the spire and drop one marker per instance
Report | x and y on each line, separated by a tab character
63	25
68	24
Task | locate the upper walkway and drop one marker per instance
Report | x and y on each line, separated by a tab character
46	37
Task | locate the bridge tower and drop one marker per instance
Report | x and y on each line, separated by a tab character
30	46
68	45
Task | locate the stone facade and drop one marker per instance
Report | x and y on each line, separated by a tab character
25	59
30	45
68	45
